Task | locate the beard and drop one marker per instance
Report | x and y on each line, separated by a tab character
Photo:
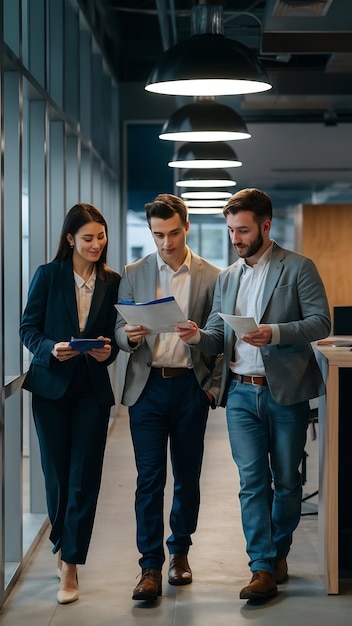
252	248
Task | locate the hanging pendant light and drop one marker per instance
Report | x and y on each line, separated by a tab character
204	120
205	195
208	64
205	178
205	211
205	155
206	204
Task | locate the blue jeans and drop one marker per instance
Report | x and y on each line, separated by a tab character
174	411
267	442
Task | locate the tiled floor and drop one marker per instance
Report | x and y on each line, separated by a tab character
218	558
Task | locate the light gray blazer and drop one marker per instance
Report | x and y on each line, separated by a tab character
295	299
139	283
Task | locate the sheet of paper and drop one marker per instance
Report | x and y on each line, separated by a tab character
240	324
159	316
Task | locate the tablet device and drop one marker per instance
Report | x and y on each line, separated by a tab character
83	345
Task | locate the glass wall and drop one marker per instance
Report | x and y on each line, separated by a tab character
59	113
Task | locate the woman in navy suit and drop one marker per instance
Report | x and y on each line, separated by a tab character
72	296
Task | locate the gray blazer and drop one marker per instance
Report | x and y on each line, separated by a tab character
139	284
295	299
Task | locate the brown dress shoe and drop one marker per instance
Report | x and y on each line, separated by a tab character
180	572
280	570
149	586
261	587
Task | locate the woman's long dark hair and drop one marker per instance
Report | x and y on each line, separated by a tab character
79	215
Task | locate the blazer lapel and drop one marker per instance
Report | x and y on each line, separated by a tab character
196	279
275	269
68	288
150	278
97	301
233	280
150	289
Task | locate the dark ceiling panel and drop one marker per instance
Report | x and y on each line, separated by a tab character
306	47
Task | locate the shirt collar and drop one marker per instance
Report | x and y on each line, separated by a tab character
263	260
186	265
88	283
266	256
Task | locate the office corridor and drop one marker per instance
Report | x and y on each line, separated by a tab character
217	557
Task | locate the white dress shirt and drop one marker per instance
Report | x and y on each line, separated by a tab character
248	359
84	293
169	350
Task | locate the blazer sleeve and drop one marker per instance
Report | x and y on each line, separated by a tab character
111	297
212	336
126	292
300	308
33	319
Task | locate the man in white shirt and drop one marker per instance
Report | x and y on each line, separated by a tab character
269	375
168	390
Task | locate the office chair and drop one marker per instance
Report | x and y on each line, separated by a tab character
313	419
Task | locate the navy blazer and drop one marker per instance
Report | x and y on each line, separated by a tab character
51	316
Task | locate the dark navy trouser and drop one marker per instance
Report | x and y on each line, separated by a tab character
72	436
174	410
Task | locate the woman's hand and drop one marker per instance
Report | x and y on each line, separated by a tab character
62	351
101	354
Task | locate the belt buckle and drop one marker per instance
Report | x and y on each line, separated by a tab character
253	383
163	372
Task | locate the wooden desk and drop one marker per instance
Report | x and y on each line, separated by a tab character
331	361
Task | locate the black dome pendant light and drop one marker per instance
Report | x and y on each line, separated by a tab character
208	63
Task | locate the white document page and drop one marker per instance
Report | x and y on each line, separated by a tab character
159	316
240	324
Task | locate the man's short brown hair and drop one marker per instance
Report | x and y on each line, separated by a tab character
258	202
166	205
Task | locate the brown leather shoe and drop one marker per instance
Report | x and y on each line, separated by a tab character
280	570
180	572
261	587
149	586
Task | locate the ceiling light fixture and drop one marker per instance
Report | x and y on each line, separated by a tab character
205	155
206	179
204	120
208	211
208	64
205	204
205	195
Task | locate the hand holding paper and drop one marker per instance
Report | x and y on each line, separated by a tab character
158	316
188	331
240	324
248	330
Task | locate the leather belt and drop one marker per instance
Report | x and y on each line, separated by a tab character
253	380
171	372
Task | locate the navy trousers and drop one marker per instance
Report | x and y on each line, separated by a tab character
72	436
173	410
